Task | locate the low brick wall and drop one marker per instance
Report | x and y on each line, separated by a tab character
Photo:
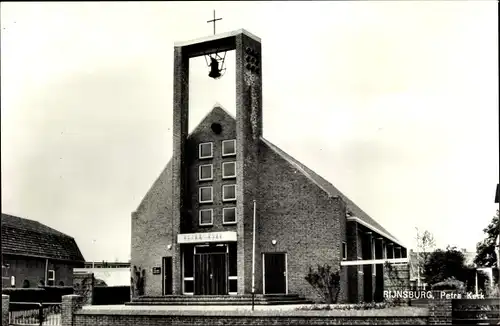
5	310
74	315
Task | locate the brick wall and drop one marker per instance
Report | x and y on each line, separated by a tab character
72	315
33	270
440	309
84	283
5	310
307	224
151	231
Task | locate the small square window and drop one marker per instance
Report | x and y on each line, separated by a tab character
206	217
229	215
229	147
228	192
206	150
344	251
51	277
205	172
228	170
206	195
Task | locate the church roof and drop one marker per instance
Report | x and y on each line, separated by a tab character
30	238
333	192
357	213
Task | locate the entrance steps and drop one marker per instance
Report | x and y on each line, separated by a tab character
222	300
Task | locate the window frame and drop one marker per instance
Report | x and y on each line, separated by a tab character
53	278
223	169
211	195
344	250
224	217
211	172
211	150
225	142
223	192
211	210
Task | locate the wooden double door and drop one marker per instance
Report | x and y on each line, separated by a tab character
210	272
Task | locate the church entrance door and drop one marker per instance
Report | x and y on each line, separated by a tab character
275	273
210	266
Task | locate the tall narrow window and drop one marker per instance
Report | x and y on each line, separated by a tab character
229	215
206	195
228	170
205	172
206	150
344	251
228	192
206	217
229	147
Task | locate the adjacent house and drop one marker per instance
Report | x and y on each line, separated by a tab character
34	254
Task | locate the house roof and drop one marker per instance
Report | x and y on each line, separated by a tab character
30	238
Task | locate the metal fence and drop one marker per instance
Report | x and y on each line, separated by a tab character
35	313
476	311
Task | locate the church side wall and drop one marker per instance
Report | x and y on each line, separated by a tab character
307	224
152	233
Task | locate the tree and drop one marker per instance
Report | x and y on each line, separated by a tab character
485	249
425	246
443	264
450	264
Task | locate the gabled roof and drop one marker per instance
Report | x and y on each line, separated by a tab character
333	192
359	215
30	238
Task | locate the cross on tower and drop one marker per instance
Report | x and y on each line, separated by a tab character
213	21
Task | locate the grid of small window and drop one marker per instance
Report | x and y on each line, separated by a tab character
229	215
228	192
206	150
206	217
206	195
205	172
228	170
229	147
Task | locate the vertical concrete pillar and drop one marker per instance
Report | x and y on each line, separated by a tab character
248	133
179	170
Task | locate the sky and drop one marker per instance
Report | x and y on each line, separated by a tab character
395	103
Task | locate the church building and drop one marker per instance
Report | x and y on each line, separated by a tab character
193	233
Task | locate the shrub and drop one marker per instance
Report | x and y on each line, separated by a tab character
325	282
450	283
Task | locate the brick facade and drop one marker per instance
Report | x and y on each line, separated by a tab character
5	310
32	270
306	218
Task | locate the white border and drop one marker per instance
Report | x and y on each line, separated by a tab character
211	172
223	216
53	275
223	195
211	195
211	215
227	141
211	150
344	244
223	169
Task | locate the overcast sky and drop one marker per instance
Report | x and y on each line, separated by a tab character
395	103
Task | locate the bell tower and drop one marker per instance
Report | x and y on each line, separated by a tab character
248	133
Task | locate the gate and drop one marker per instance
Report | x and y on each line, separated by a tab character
476	311
34	313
